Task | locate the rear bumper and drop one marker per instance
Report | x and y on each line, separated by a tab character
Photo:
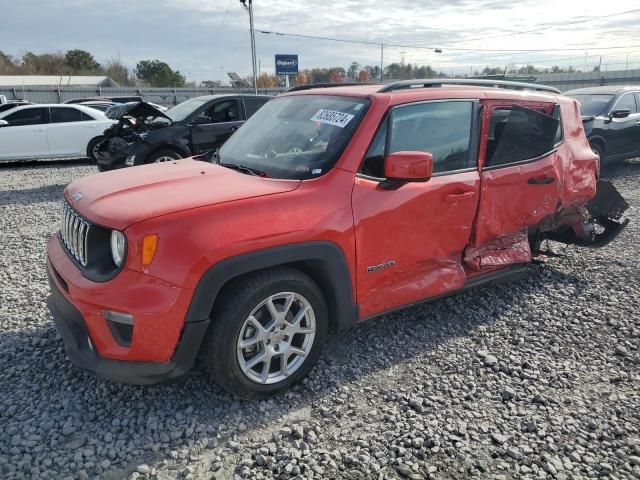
82	352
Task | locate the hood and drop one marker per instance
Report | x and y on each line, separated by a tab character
120	198
136	110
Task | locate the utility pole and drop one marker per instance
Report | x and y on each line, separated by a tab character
249	8
381	61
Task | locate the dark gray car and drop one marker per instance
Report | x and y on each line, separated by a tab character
196	126
611	117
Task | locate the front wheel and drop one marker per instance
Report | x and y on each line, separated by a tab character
93	148
267	333
162	156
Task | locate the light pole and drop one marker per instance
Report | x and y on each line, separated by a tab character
253	42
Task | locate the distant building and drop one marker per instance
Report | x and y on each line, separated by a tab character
56	80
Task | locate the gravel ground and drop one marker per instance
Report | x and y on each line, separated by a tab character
534	379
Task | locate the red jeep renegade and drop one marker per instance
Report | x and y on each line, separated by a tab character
329	206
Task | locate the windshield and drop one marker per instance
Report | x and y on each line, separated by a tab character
593	104
295	137
184	109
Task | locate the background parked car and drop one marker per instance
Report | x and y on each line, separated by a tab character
50	131
124	99
611	117
13	104
198	125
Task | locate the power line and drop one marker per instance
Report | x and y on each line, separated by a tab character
426	47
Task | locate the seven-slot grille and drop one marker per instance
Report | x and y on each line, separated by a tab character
74	232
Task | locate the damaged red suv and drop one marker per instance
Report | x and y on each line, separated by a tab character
328	207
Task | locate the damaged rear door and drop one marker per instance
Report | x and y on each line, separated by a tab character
519	181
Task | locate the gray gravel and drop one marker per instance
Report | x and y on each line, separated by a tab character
535	379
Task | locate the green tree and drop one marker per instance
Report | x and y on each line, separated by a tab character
353	70
81	61
159	74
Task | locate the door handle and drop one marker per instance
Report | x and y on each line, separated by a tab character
452	197
38	129
541	181
233	129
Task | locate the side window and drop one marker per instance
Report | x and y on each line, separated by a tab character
28	116
626	101
517	134
373	163
638	100
252	105
224	111
65	115
86	118
440	128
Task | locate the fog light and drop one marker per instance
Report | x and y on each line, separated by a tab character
130	161
121	326
118	317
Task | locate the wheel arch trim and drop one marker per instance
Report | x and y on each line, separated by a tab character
324	261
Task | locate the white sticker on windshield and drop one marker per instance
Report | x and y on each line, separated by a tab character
331	117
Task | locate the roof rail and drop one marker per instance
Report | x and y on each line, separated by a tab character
324	85
439	82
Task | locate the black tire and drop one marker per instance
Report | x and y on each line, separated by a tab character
598	149
91	146
219	348
163	153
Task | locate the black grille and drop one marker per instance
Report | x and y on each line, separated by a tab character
74	231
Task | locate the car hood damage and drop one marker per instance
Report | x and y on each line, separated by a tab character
137	110
135	121
160	189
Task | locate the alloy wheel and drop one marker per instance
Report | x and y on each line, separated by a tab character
276	338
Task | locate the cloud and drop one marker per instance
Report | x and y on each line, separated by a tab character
199	38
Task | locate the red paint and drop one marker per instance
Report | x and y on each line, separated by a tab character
409	165
419	232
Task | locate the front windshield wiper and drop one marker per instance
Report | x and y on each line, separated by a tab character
243	169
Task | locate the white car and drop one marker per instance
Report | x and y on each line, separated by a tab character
50	131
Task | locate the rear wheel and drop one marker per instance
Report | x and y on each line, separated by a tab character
163	155
267	333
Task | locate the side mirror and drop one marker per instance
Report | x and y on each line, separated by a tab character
4	123
622	113
408	166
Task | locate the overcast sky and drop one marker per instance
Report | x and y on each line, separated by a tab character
205	38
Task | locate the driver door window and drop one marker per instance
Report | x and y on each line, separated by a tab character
28	116
440	128
222	112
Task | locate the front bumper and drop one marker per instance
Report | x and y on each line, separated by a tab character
114	160
163	347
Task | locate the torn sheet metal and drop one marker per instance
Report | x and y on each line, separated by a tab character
498	253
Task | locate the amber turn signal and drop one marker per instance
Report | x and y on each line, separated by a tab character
149	245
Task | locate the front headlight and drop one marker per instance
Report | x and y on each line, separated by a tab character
118	243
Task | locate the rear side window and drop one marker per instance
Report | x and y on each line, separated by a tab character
440	128
65	115
28	116
519	134
252	105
